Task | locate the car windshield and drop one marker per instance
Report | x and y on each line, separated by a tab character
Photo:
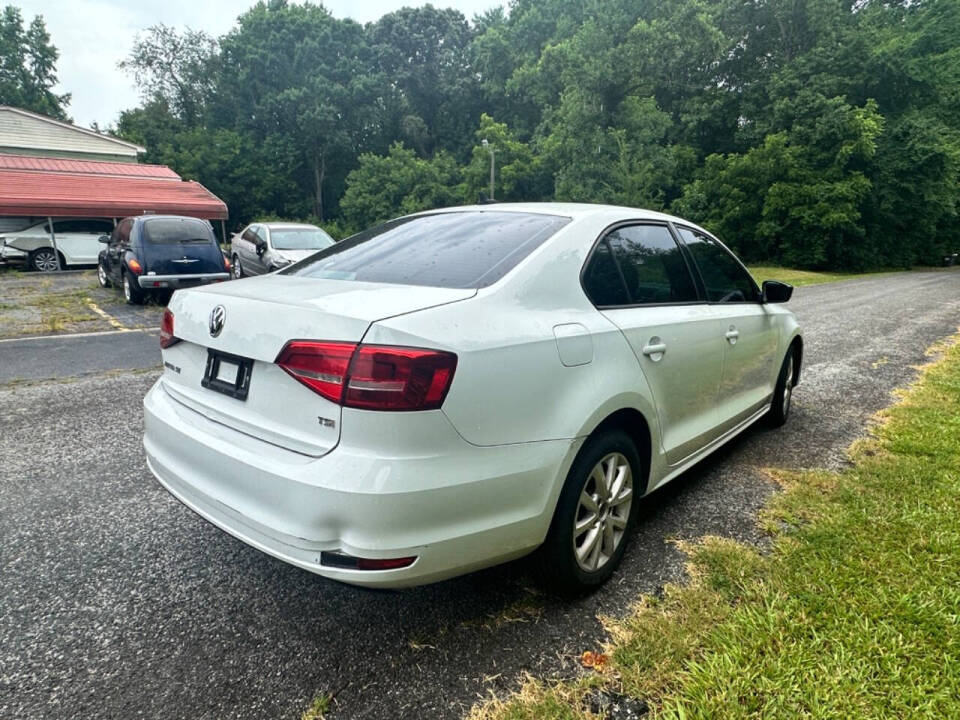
469	249
170	231
300	238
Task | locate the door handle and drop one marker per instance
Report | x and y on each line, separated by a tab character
732	334
654	350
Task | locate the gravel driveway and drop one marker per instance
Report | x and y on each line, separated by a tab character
118	602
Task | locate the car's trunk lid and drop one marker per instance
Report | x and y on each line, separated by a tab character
260	315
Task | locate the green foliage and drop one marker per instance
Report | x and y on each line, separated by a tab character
822	134
28	66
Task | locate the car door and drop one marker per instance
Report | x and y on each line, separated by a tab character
246	249
113	258
639	278
261	248
750	332
78	240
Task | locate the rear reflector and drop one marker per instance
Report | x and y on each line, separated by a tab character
349	562
371	377
135	267
167	338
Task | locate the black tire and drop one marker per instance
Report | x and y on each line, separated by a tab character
237	268
559	567
43	260
783	392
102	276
132	292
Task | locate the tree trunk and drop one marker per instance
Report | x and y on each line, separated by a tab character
319	170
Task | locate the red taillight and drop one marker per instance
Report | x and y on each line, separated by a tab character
135	267
397	378
167	338
371	377
226	263
321	366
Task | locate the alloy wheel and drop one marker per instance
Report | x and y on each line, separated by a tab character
788	385
45	261
237	270
603	512
126	287
101	275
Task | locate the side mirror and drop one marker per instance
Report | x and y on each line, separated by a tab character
104	239
776	292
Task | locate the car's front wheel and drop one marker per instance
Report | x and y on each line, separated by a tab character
102	276
237	268
131	291
44	260
782	393
595	514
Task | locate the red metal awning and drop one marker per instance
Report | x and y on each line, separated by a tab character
57	187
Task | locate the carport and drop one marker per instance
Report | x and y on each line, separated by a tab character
40	187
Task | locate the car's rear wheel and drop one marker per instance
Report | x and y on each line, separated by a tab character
102	276
782	393
237	268
44	260
595	514
131	291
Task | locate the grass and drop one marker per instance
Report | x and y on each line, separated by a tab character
853	612
798	278
319	707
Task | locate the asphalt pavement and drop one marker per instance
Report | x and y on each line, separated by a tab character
118	602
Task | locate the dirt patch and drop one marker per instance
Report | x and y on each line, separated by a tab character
72	302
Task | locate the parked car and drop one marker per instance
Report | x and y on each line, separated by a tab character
76	241
264	247
460	387
156	254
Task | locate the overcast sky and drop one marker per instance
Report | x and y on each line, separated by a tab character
94	35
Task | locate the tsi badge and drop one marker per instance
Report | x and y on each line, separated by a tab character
217	316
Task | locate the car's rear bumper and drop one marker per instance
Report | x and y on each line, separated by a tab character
172	282
456	507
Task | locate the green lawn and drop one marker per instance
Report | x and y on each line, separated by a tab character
802	277
854	612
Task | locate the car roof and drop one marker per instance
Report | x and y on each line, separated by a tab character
574	211
285	225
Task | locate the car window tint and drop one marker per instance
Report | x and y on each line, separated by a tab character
469	249
602	280
170	231
653	267
724	277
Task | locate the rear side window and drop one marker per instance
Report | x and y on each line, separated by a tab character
724	277
638	265
170	231
470	249
653	267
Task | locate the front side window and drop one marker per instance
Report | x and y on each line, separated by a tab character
305	238
725	278
469	249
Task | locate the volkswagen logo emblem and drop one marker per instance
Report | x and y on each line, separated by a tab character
217	316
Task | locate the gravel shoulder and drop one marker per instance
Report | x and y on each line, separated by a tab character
119	602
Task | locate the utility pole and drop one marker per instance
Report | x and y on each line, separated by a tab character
489	147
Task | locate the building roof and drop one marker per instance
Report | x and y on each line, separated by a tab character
81	194
91	167
30	131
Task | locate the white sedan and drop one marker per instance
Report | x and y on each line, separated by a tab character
457	388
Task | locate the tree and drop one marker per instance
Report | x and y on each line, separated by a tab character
177	68
28	66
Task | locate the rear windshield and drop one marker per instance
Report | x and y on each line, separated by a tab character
470	249
169	231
